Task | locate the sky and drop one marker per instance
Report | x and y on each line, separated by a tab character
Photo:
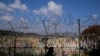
28	12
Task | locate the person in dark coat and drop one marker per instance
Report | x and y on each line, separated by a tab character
50	52
96	52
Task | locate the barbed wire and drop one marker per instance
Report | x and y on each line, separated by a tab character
62	22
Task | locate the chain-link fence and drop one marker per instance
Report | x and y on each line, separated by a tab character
35	46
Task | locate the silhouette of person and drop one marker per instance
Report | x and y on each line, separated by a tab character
96	52
50	52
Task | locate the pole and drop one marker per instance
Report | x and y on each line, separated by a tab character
46	36
45	27
79	33
14	39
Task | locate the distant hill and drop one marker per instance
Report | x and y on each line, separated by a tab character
10	33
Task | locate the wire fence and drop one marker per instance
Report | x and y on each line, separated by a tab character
35	46
63	33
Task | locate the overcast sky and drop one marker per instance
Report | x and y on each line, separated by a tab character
22	12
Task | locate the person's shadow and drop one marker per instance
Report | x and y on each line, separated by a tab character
50	52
